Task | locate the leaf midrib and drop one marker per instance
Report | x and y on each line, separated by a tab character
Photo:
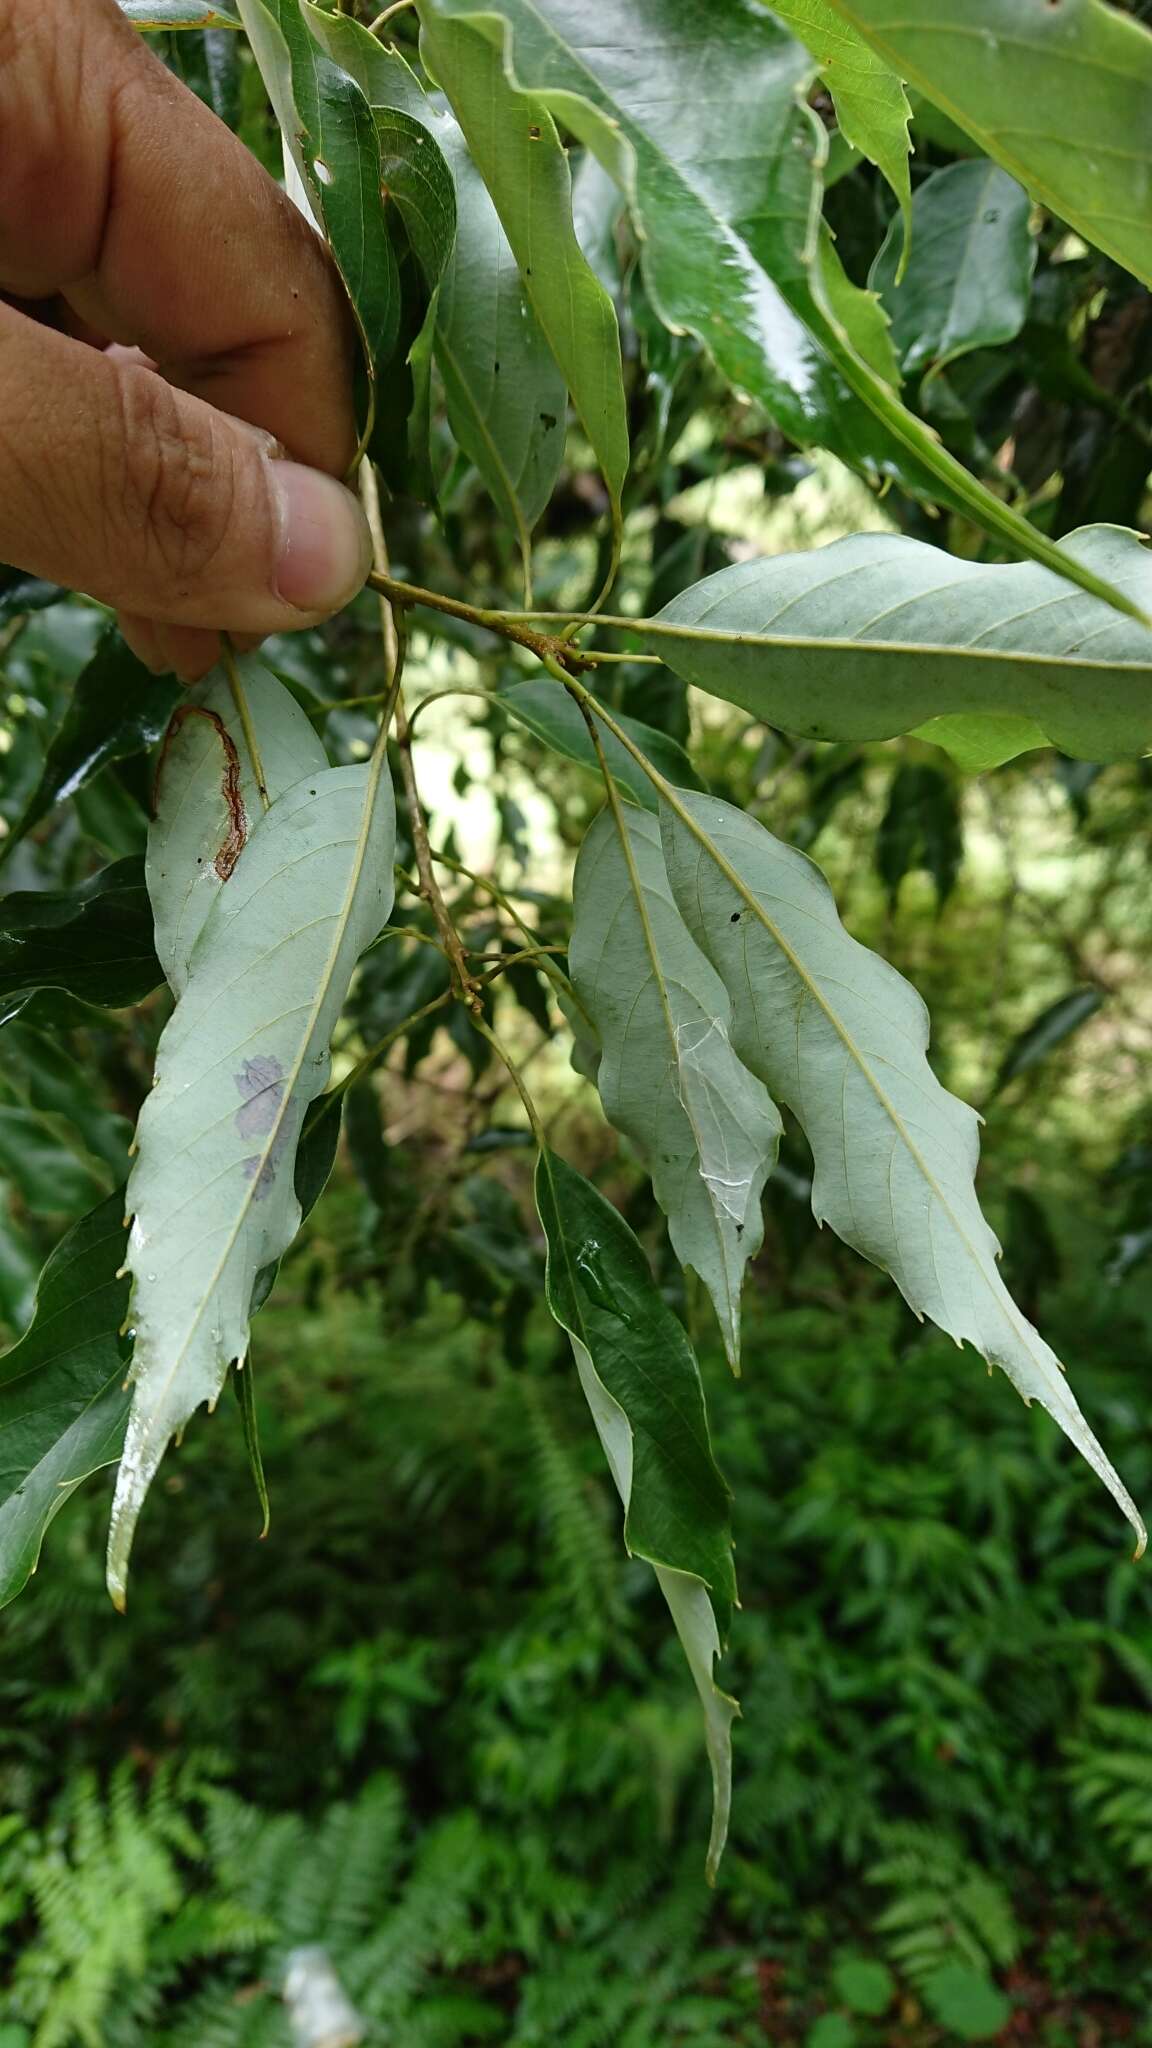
375	767
670	1028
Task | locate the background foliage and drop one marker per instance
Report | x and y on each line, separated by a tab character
434	1721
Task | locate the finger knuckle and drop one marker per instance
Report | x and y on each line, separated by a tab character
179	484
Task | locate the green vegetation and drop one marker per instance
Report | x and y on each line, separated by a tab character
476	1005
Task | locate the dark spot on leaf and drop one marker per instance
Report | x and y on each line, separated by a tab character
261	1083
548	421
533	133
739	1230
496	367
992	213
237	831
735	917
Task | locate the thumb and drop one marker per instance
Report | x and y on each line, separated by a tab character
116	483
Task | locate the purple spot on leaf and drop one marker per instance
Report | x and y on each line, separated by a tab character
261	1083
262	1171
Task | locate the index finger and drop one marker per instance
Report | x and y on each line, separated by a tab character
121	191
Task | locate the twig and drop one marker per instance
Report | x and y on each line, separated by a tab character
509	626
397	7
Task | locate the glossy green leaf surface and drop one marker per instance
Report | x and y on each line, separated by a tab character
41	1156
969	276
839	1036
874	635
1058	91
37	1071
115	708
330	131
642	1383
208	798
211	1192
63	1403
513	141
547	710
95	940
668	1078
872	109
730	239
509	421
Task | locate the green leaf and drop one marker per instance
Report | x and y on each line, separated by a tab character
509	422
115	708
21	593
18	1269
94	940
865	1986
836	1034
969	278
514	144
731	241
874	635
920	828
46	1163
668	1077
179	14
64	1394
872	107
211	1192
978	743
831	2030
330	132
1054	1024
547	710
1058	91
966	2001
208	796
40	1074
642	1383
63	1403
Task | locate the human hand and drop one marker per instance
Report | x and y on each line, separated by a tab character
185	474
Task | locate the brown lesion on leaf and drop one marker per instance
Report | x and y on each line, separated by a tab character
237	832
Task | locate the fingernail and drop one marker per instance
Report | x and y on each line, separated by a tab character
325	549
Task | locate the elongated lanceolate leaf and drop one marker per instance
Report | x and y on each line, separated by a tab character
873	635
642	1383
969	277
94	940
872	108
330	132
668	1077
730	236
506	398
1055	1023
63	1401
553	717
211	1193
116	707
840	1036
208	797
1058	91
508	420
514	144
